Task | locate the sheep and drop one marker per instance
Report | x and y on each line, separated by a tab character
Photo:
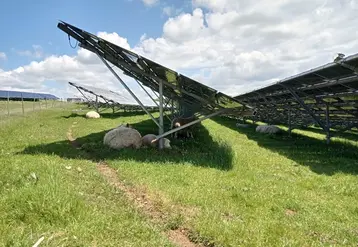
122	137
180	121
269	129
240	125
92	114
148	141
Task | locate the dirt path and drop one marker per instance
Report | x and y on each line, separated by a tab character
141	200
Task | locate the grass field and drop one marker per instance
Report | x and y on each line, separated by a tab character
228	187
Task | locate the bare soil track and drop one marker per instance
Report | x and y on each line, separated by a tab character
178	236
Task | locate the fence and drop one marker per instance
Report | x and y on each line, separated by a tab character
21	107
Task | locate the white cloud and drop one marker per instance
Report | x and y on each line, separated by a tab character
150	2
234	46
36	52
171	11
3	55
168	10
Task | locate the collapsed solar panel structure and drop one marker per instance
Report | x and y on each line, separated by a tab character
101	97
5	94
326	96
191	96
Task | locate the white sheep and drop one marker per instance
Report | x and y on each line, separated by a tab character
92	114
148	139
123	137
268	129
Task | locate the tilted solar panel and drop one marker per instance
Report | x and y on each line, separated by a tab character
150	73
308	96
4	94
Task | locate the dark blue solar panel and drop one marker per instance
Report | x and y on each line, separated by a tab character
26	95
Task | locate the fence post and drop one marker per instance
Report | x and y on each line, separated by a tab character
22	104
8	103
33	105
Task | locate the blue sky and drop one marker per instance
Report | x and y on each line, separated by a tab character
234	46
26	23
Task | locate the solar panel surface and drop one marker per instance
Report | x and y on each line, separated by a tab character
175	85
4	94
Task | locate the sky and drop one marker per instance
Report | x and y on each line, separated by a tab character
234	46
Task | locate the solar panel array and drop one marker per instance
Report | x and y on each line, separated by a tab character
4	94
108	97
175	86
305	98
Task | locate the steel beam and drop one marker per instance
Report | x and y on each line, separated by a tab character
308	110
328	125
128	89
189	124
161	122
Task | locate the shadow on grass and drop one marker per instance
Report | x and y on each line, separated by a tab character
200	151
109	115
349	135
320	157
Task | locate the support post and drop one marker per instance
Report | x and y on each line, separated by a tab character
128	89
309	111
96	105
150	96
22	104
189	124
161	122
289	120
8	103
33	105
328	125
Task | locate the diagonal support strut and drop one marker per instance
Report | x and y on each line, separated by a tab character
128	89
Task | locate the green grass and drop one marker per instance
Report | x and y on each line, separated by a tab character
238	187
70	203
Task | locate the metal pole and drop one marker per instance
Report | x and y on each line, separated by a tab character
161	122
189	124
289	120
128	89
328	125
22	103
150	96
96	106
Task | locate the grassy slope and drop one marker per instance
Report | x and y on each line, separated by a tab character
70	207
245	188
274	191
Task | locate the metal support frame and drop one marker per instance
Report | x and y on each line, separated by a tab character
343	64
161	122
190	124
88	100
289	120
96	105
328	125
128	89
150	96
308	110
